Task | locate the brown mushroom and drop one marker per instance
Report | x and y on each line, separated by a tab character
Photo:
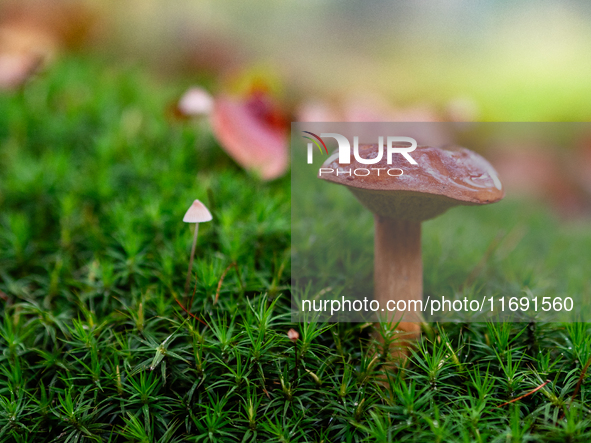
401	195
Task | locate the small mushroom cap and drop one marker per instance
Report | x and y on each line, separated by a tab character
197	213
195	102
440	180
293	335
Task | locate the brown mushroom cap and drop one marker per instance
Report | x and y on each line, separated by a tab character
440	180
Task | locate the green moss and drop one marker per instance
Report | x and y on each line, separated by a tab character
94	181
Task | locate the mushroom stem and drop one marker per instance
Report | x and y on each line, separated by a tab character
191	260
398	270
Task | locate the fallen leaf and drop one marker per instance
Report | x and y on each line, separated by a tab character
17	68
534	172
253	132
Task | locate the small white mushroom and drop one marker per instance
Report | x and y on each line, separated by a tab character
195	102
197	213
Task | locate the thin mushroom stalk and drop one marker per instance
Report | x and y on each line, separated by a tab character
439	180
398	269
191	259
196	214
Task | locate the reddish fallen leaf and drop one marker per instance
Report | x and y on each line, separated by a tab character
581	164
33	32
253	132
48	25
17	68
537	173
24	49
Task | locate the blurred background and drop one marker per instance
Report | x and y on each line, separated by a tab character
329	60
